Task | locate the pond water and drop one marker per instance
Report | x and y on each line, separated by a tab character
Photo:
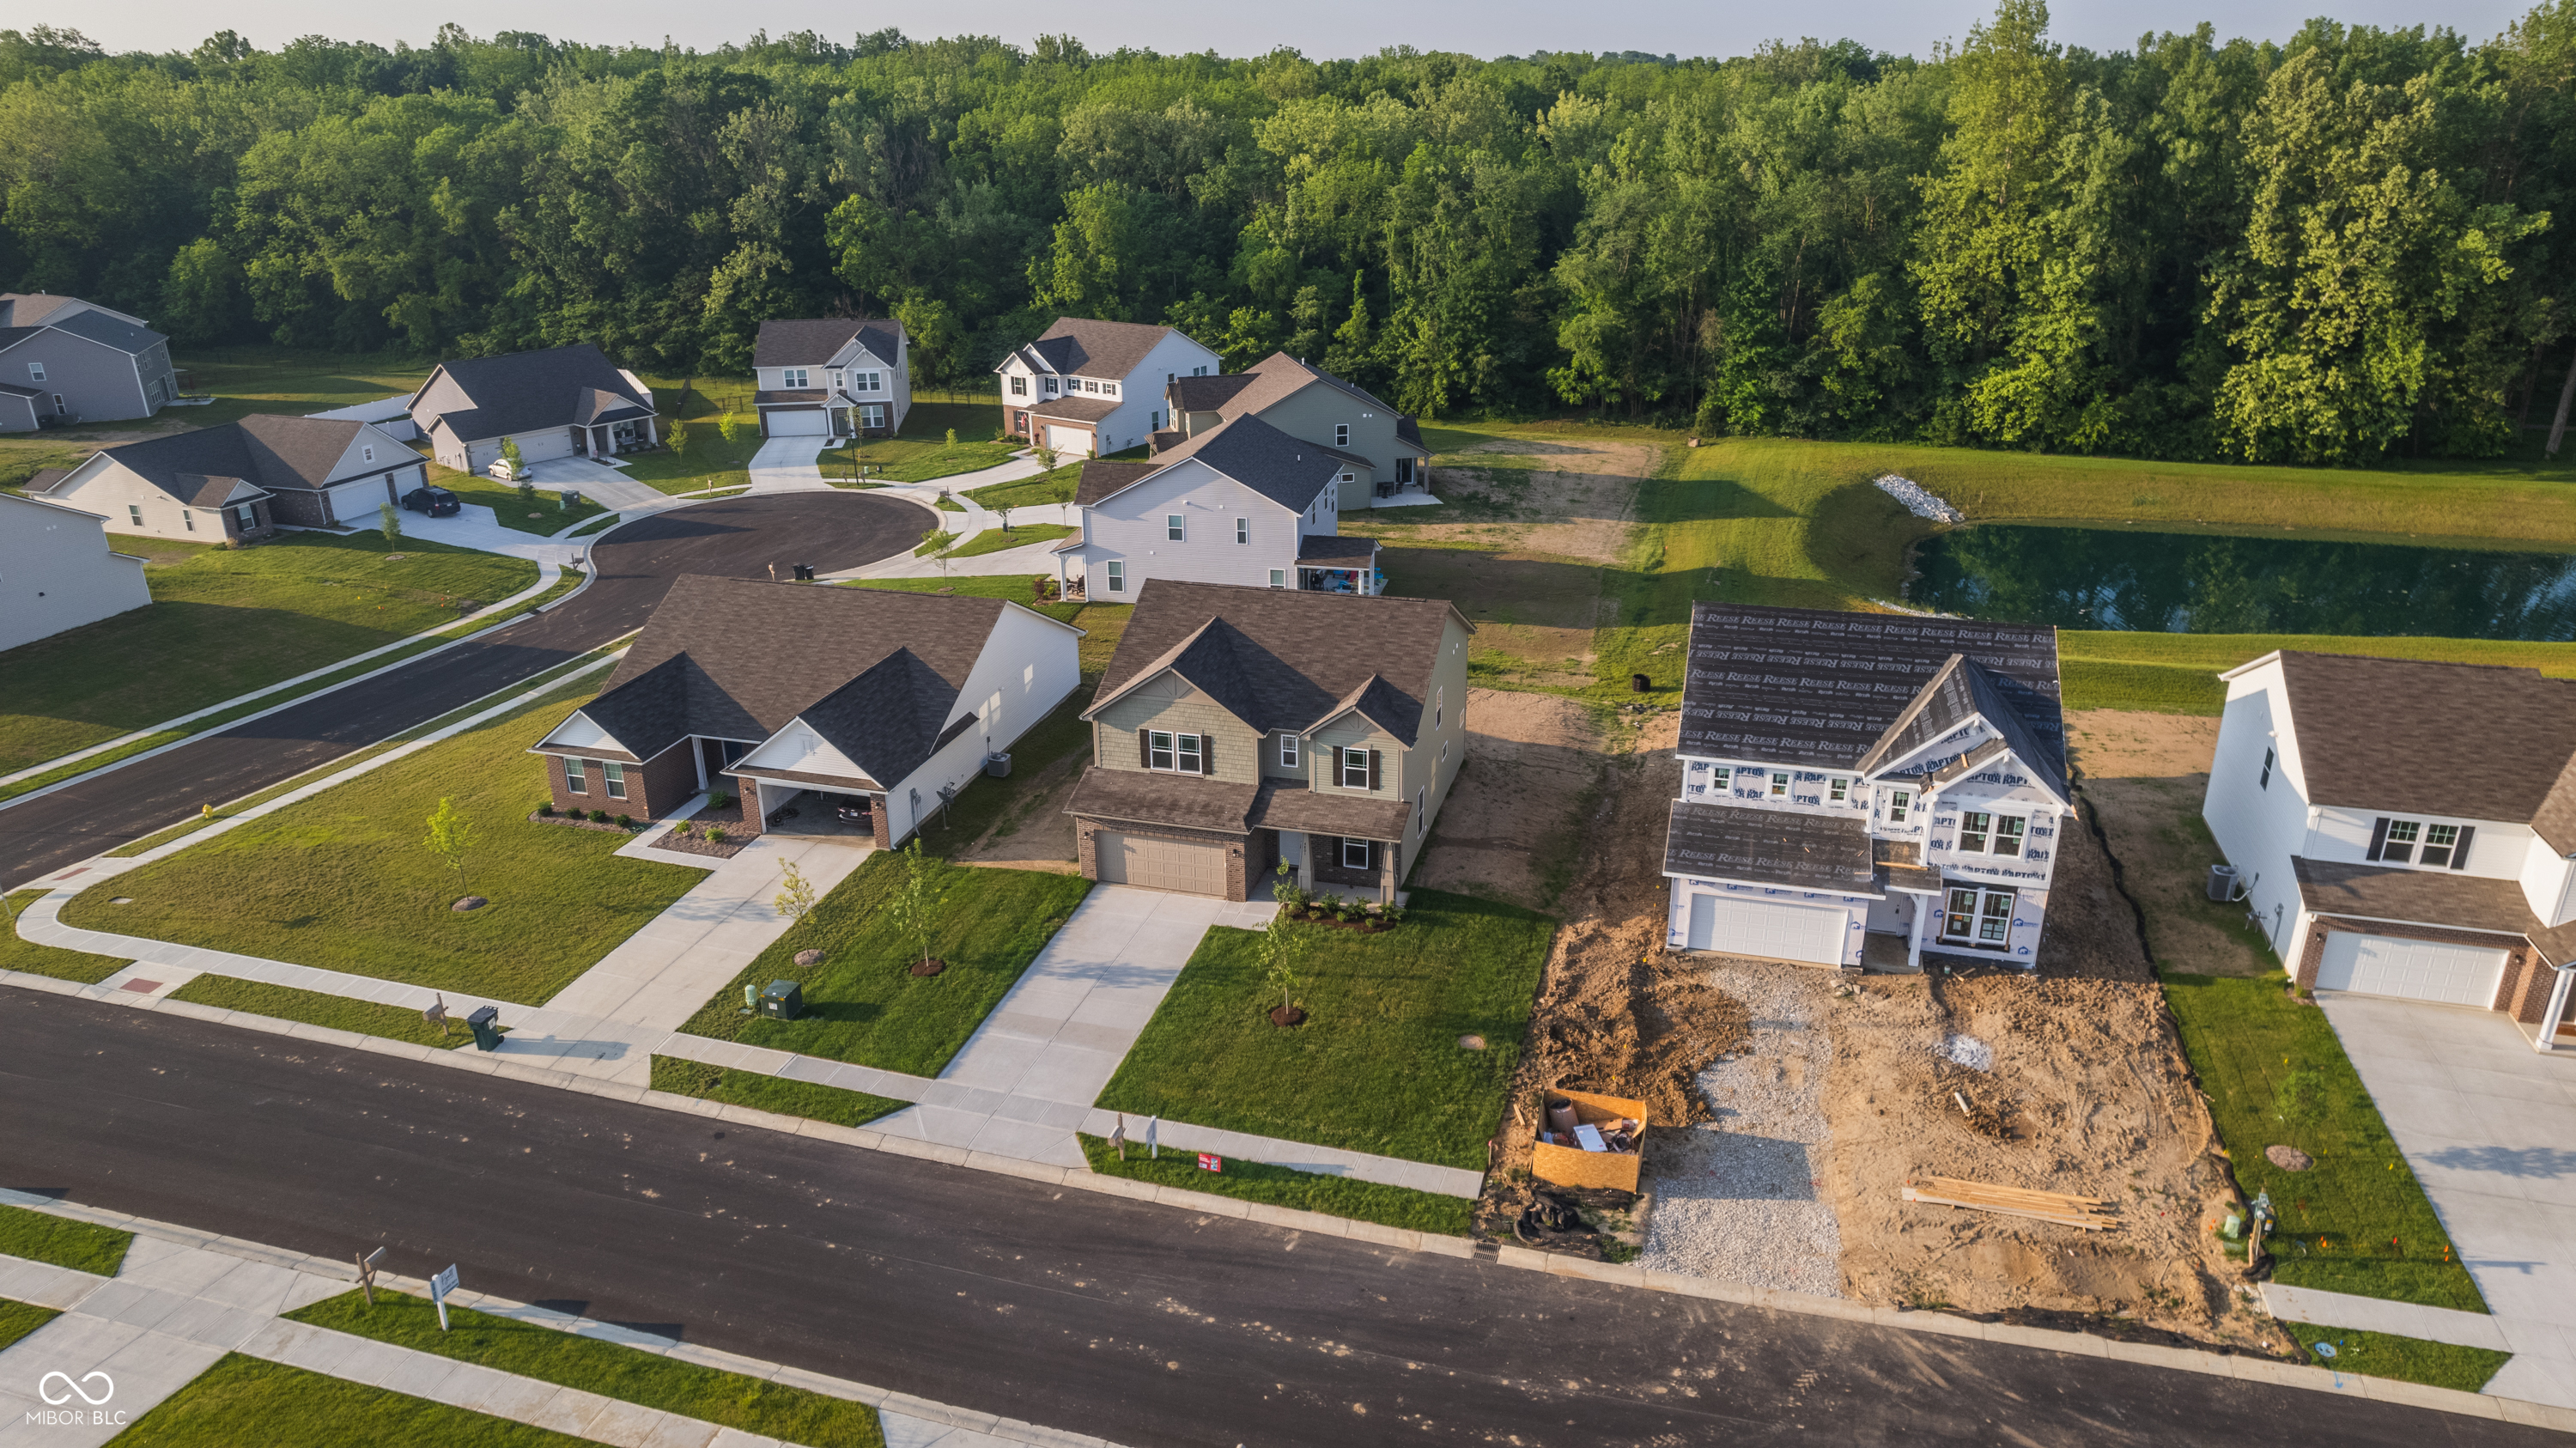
2096	578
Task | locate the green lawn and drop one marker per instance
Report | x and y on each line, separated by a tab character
23	458
224	622
1048	487
341	880
2357	1221
1280	1186
17	1319
1012	586
2178	673
259	378
811	1100
862	1003
921	453
244	1399
732	1400
543	515
994	540
2407	1359
1377	1066
315	1008
17	954
44	1237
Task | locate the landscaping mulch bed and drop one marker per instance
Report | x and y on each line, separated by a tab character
683	838
579	822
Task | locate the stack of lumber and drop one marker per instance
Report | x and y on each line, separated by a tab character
2089	1213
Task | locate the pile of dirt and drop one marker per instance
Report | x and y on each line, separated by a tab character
1615	1013
2083	1090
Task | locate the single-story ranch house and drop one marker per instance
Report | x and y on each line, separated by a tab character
1238	728
816	699
2372	869
57	573
1864	789
559	403
244	479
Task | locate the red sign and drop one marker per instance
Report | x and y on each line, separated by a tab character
1209	1161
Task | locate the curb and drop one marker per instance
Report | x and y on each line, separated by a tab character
2268	1371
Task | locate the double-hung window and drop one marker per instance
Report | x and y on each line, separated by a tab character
2008	830
1838	790
35	371
1175	526
1779	785
135	513
2266	781
1900	804
1176	753
1421	807
614	774
1279	578
2437	847
1341	434
1050	387
1974	827
1193	759
834	377
1243	530
575	780
1357	854
1978	917
1117	578
2402	838
1159	753
792	377
367	453
1108	389
1439	705
1355	768
248	515
867	381
1019	385
1287	751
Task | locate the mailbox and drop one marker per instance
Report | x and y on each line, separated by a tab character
783	1001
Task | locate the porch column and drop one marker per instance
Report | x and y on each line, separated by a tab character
1923	914
1306	862
652	430
2557	1012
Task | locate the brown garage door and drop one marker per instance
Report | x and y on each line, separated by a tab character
1184	865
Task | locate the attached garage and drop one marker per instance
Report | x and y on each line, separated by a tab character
1071	440
2415	970
354	505
797	421
1192	867
1778	929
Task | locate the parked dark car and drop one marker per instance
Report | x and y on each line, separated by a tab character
436	502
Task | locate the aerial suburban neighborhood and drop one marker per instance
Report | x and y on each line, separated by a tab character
855	740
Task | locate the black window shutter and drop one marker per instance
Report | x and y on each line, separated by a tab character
1207	754
2460	855
1145	760
2378	838
1374	764
1338	780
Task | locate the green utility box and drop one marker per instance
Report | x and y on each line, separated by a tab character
783	1001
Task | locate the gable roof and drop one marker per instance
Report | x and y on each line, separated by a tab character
1283	658
874	671
526	391
23	314
1964	689
107	330
1271	381
37	309
813	341
1208	394
1813	686
265	449
2362	744
1093	348
1287	470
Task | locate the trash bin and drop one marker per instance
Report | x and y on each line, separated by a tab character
804	572
571	497
997	766
783	1001
1640	684
2222	883
486	1026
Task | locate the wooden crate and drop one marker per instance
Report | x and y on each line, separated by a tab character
1572	1166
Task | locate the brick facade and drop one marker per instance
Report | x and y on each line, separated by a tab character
653	788
2524	994
1326	853
262	528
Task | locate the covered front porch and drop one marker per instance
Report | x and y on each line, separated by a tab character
1342	866
609	437
1346	844
1329	563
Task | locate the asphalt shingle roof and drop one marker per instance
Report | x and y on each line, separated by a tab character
1287	470
2364	736
109	331
1100	478
813	341
1095	348
1271	381
527	391
269	451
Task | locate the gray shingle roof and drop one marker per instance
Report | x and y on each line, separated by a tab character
736	659
1293	656
1288	471
813	341
1961	690
1287	804
1095	348
1811	686
269	451
1271	381
526	391
2358	750
1332	550
108	331
1769	847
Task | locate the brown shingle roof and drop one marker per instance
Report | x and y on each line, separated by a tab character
1294	655
2428	897
1332	550
1075	409
1296	805
1100	478
1183	800
2364	735
1769	847
1095	348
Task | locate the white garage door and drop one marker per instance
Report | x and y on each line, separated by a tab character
354	505
2416	970
1182	865
1774	928
805	422
1070	440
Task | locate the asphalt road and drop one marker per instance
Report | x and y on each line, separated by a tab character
635	563
1143	1324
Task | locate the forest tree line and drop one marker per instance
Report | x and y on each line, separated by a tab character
2352	245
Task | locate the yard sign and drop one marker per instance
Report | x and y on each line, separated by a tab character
439	1286
1210	1161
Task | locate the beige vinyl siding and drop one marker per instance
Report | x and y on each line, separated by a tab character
1422	763
1353	732
1171	705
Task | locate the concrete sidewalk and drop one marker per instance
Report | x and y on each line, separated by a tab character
479	528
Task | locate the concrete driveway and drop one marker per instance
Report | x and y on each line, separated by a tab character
2489	1125
787	465
597	481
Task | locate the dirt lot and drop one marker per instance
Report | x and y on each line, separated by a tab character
1508	830
2144	776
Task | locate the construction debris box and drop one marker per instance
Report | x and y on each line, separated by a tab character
1569	1165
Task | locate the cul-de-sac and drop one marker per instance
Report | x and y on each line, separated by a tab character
1212	731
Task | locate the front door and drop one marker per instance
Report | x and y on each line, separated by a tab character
581	442
1979	918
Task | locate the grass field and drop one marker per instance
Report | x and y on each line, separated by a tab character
316	1008
2356	1222
1279	1186
921	453
1377	1066
341	880
44	1237
224	622
17	954
1048	487
293	1408
995	585
255	379
17	1319
994	540
610	1369
2407	1359
811	1100
543	515
862	1003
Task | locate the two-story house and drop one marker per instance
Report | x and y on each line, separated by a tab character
561	402
1090	388
831	377
1243	503
2379	856
1864	789
64	360
1238	728
1390	464
240	481
57	572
